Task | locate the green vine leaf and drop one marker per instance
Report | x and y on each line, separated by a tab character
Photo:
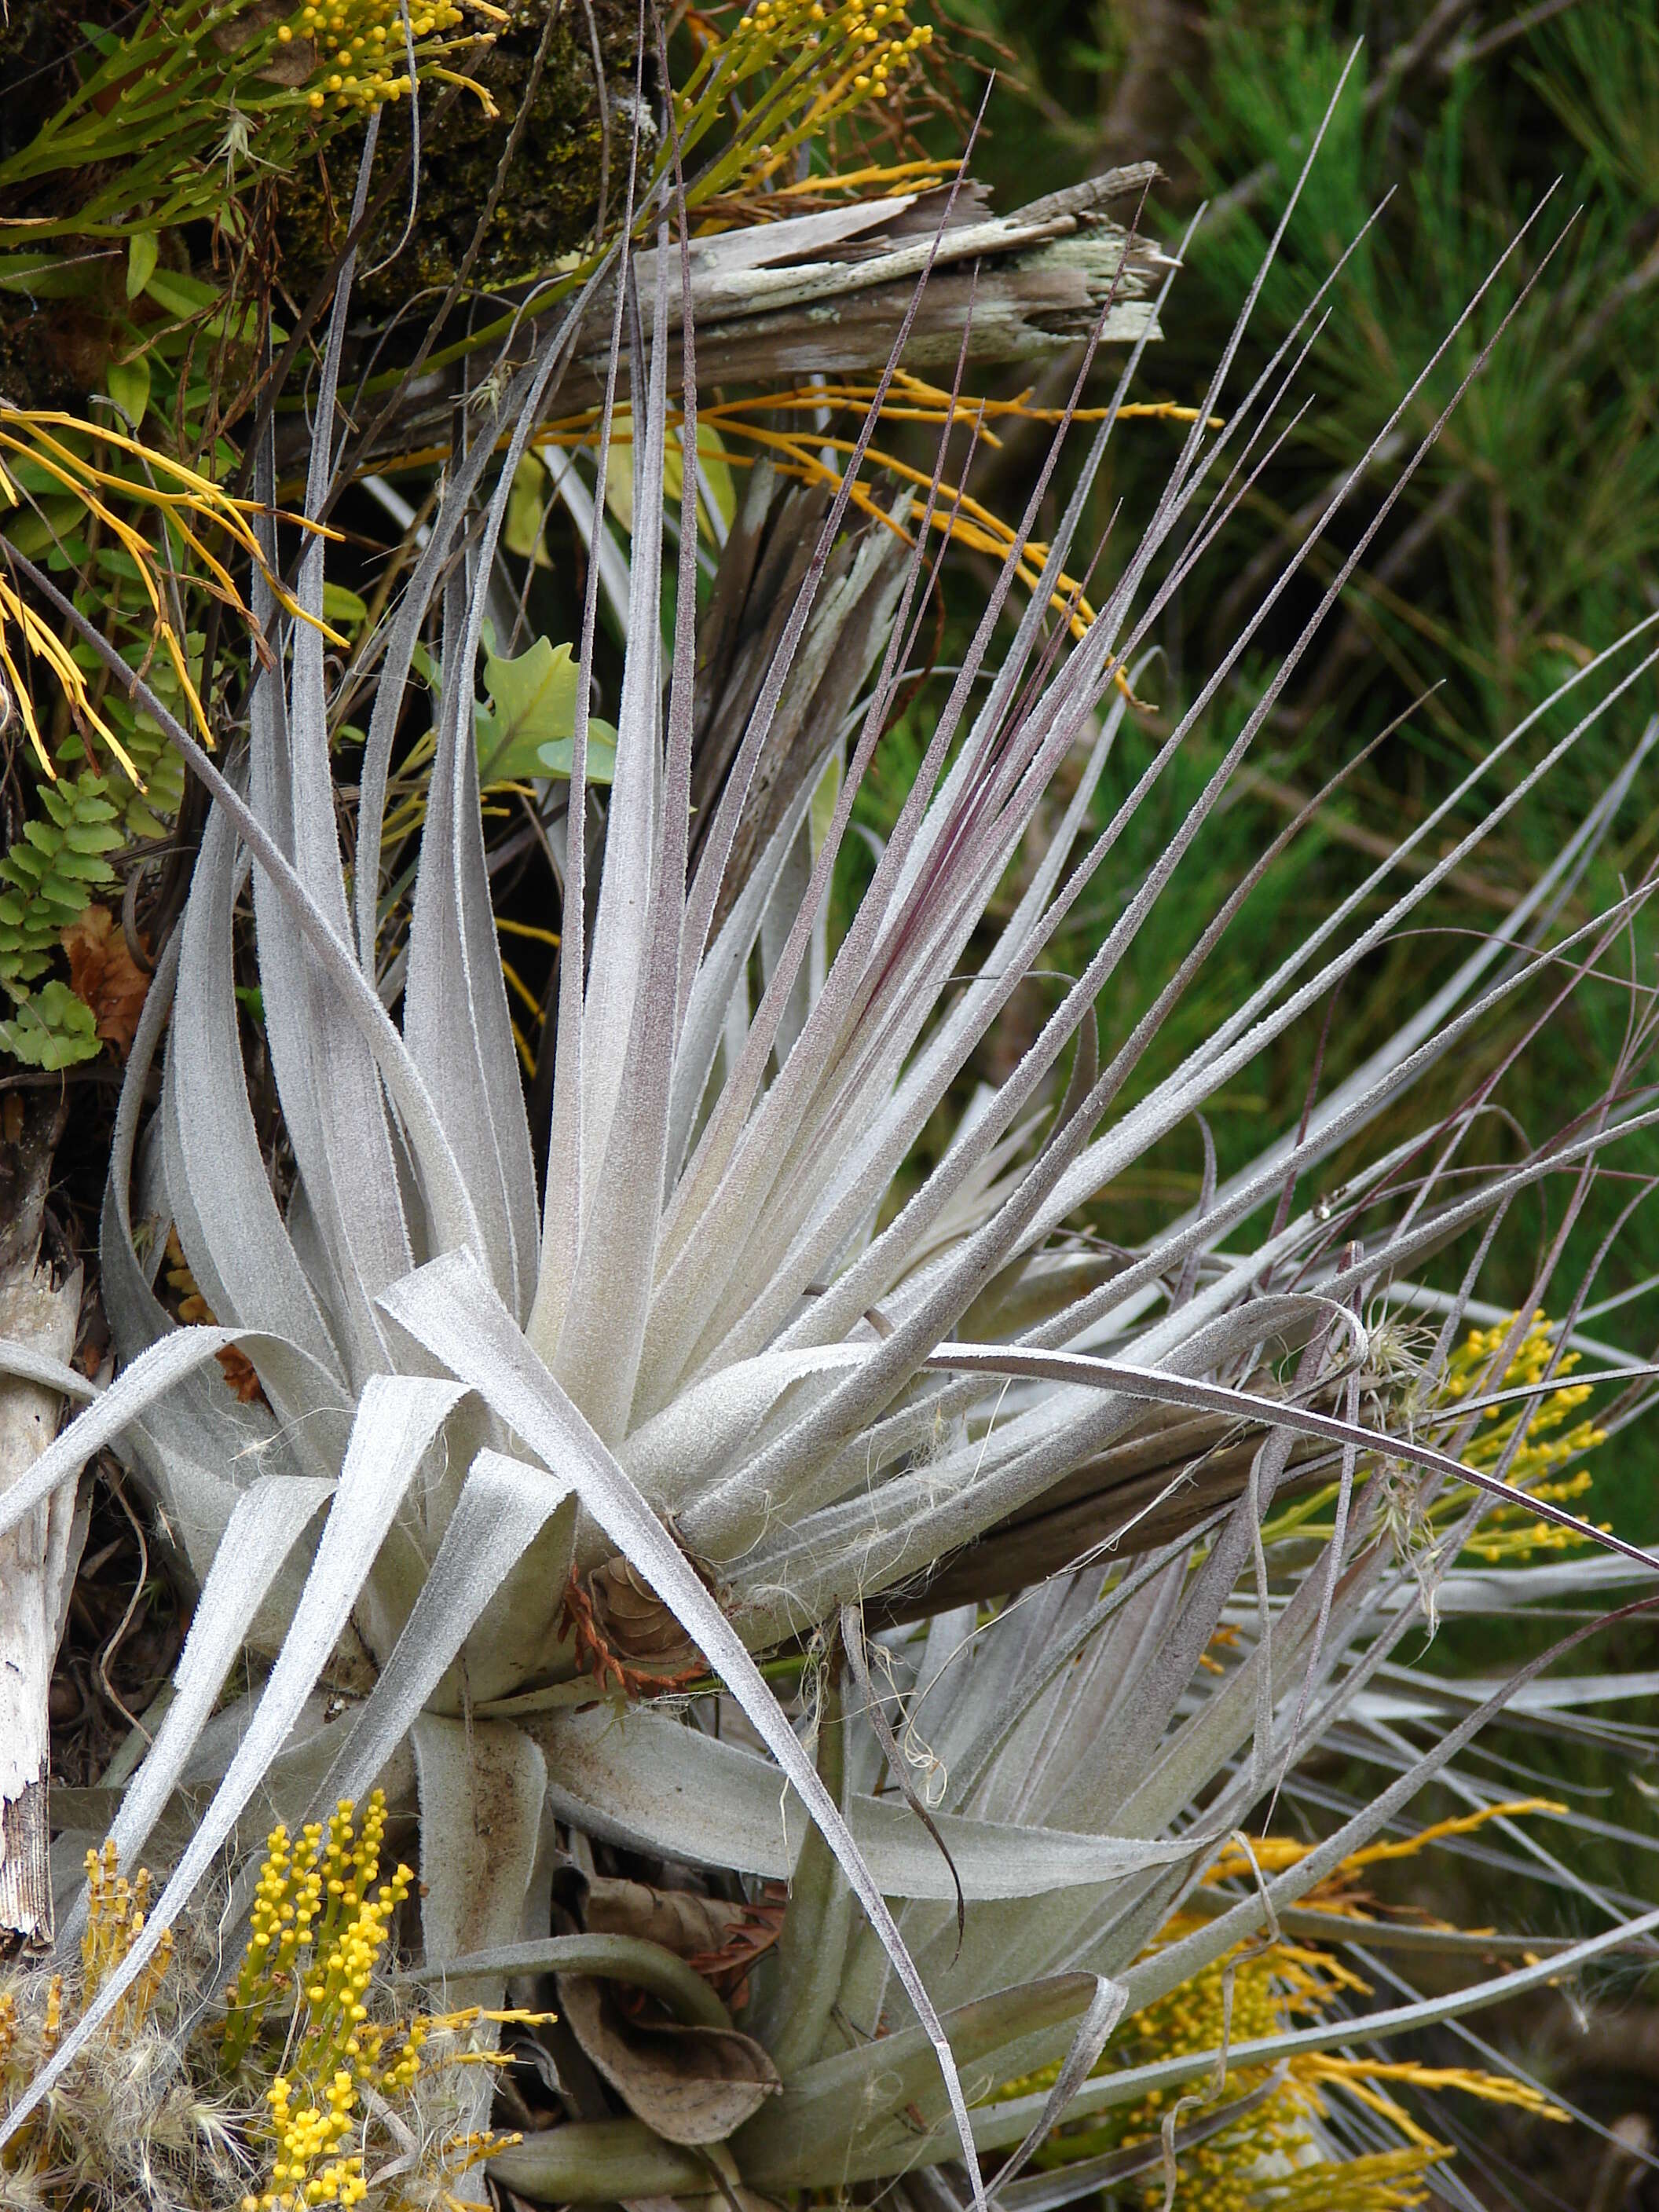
528	728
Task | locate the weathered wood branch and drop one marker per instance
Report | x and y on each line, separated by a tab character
827	294
38	1557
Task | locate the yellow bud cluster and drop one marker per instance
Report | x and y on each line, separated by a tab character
362	51
1274	2154
306	2090
116	1913
1222	2175
320	1920
856	50
308	2132
345	1970
1507	1533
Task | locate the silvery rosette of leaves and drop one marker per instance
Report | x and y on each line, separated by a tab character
742	1374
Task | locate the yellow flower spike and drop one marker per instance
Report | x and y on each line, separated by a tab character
164	488
1362	2074
470	84
1506	1531
1277	2155
1274	1853
315	2154
50	648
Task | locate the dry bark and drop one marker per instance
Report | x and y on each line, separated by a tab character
828	294
38	1557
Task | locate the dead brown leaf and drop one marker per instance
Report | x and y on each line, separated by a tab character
691	2085
636	1625
104	974
721	1941
681	1921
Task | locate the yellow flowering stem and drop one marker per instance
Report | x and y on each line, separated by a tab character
925	168
1275	1853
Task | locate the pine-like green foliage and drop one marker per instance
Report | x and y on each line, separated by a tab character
1512	555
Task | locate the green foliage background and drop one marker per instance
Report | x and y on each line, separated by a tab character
1529	541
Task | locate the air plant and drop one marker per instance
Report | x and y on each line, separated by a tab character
735	1384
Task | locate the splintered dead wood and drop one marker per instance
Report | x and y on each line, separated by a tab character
37	1562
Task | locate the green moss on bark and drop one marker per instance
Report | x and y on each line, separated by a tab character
551	201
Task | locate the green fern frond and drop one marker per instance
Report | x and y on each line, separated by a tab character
51	873
149	808
52	1029
49	876
152	811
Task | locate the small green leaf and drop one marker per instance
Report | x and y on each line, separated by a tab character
523	532
716	489
558	758
141	249
29	476
820	809
244	326
129	386
52	1029
340	606
47	276
619	473
38	528
180	294
251	1000
531	715
112	562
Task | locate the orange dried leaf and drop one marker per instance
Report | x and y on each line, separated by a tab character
104	974
239	1371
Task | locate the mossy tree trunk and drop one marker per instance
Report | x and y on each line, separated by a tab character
575	138
577	56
